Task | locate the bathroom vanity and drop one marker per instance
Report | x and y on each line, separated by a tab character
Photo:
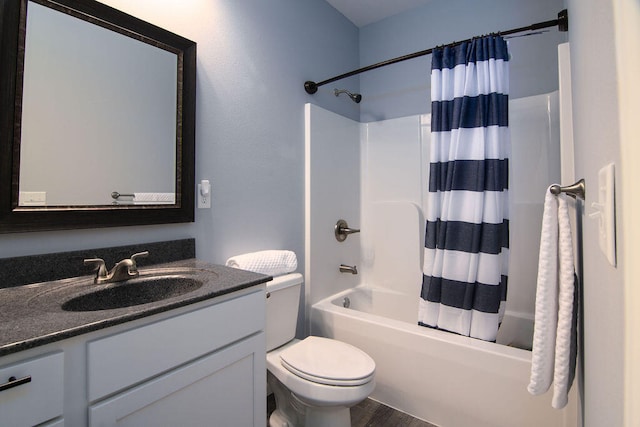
193	359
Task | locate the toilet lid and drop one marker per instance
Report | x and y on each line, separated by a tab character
327	361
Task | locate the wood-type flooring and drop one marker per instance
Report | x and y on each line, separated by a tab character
370	413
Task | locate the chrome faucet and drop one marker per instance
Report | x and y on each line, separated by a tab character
348	269
123	270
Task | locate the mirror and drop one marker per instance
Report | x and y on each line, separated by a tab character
98	118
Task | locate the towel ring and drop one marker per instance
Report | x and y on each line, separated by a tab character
577	190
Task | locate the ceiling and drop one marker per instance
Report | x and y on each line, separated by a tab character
363	12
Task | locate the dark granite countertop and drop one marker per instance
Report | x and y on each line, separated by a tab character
31	315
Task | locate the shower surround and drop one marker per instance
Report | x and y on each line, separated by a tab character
374	175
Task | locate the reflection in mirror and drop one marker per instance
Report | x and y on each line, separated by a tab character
98	118
98	114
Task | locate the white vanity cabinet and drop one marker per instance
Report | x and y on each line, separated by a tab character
216	390
203	369
199	365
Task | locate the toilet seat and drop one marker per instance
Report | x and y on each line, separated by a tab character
327	361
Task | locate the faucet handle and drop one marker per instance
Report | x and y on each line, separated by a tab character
139	255
99	263
342	230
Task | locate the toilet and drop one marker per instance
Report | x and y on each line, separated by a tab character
315	380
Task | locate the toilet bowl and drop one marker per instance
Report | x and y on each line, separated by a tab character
315	380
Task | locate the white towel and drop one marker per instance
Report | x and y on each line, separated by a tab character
564	366
271	262
154	198
554	337
546	310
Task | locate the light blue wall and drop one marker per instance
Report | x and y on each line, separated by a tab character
403	89
253	58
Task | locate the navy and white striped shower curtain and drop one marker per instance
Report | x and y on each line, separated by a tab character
467	233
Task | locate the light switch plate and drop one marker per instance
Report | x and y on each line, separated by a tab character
32	198
605	212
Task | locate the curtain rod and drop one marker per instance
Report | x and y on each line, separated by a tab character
562	22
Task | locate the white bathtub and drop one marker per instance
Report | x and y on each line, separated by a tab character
446	379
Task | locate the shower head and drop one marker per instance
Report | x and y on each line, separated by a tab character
355	97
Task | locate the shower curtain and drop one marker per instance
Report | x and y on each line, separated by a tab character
467	232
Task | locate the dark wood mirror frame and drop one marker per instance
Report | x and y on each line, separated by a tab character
20	219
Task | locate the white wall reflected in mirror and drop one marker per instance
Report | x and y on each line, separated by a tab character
99	113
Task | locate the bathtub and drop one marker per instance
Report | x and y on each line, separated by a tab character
443	378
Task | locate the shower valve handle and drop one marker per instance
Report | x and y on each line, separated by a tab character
342	230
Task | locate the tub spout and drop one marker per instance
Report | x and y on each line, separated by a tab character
348	269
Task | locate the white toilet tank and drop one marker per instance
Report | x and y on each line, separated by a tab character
283	301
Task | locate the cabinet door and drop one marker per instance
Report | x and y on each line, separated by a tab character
119	361
37	400
226	388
